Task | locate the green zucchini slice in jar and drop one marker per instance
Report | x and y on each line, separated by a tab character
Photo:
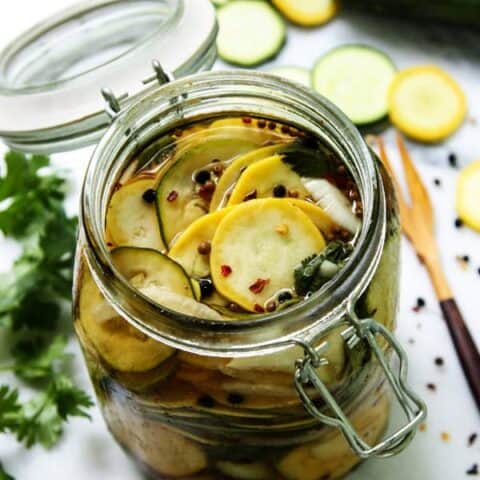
144	268
131	218
185	191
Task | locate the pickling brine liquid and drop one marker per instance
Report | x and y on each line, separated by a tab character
231	219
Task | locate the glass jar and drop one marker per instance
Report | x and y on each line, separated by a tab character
299	394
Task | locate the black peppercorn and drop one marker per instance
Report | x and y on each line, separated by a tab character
458	223
284	297
452	160
437	182
466	258
206	401
206	287
279	191
420	302
202	176
235	398
149	195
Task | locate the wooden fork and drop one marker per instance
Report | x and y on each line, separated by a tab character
417	222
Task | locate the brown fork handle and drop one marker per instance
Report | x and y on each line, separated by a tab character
464	344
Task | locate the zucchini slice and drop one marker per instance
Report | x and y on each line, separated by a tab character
164	297
256	248
307	13
295	74
316	214
468	195
250	32
260	179
235	169
356	78
130	219
334	203
426	103
122	346
185	249
178	201
143	268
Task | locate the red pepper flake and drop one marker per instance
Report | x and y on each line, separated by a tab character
258	285
206	190
258	308
172	196
225	270
247	120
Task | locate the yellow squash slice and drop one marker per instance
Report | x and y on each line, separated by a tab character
260	179
235	169
307	13
468	195
122	346
185	249
256	248
178	202
130	219
316	214
426	103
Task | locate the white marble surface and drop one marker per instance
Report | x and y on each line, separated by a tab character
86	451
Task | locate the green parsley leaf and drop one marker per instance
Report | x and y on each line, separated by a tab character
4	475
34	295
318	269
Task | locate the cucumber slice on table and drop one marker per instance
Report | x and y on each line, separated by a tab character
356	78
250	32
307	13
295	74
426	103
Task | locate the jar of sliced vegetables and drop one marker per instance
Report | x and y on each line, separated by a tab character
237	281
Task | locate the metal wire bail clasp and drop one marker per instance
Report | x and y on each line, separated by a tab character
412	405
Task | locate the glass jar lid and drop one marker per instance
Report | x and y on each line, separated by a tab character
51	75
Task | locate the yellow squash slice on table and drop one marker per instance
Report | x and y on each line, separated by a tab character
235	169
256	248
468	195
307	13
130	219
259	180
426	103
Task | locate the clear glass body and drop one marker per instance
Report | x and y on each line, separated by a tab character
221	403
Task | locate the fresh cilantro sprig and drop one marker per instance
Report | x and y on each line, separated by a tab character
316	270
34	298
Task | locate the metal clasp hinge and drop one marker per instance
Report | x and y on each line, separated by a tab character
113	103
412	405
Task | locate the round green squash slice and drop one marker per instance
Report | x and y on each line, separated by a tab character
130	219
256	248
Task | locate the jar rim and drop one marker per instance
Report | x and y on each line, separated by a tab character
176	100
